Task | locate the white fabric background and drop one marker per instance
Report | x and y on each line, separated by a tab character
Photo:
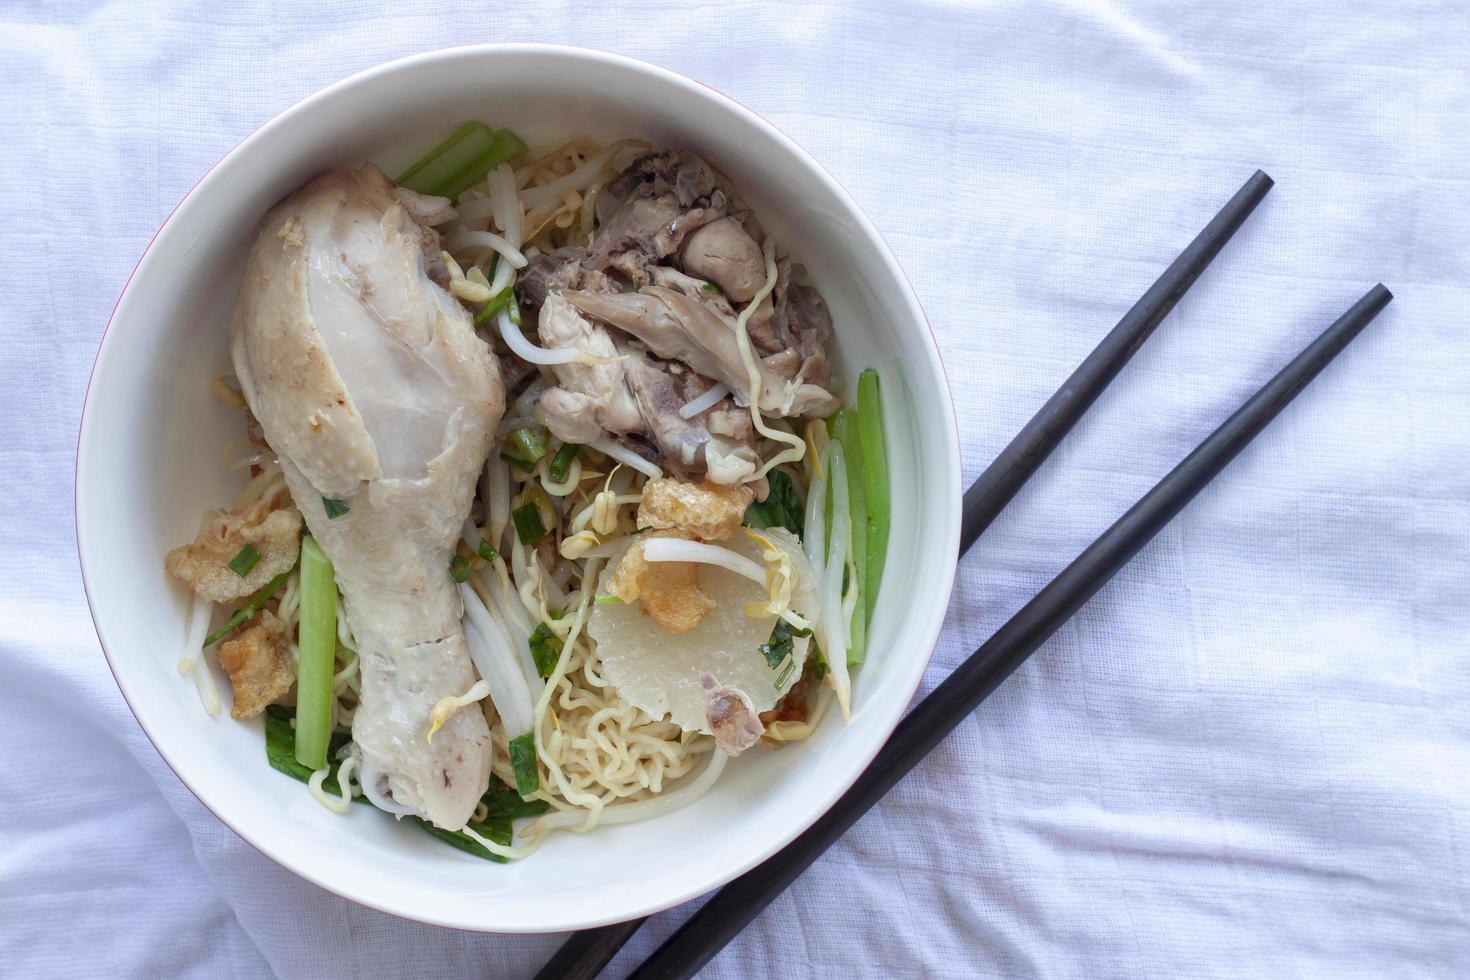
1249	756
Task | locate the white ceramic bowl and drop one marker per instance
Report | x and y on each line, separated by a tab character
153	440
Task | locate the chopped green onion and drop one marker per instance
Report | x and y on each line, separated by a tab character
459	568
462	160
710	287
557	615
545	649
523	763
875	482
528	444
250	608
527	520
607	599
515	312
316	638
781	677
843	427
562	461
335	508
518	463
245	559
494	305
486	552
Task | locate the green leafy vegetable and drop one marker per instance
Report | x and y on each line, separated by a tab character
245	559
780	646
335	508
875	482
494	305
459	568
527	520
316	638
843	428
458	149
523	762
250	608
562	461
781	508
504	803
499	832
280	750
545	649
462	160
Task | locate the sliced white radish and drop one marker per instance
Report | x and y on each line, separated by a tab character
660	671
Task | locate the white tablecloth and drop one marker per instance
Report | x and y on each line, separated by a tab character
1249	755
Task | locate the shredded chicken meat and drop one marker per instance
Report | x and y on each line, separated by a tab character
675	257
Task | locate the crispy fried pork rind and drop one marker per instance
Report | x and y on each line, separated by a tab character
204	565
708	511
259	664
668	591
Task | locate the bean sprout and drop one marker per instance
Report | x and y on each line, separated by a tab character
528	351
627	457
704	402
487	239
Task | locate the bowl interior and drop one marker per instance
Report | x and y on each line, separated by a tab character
154	439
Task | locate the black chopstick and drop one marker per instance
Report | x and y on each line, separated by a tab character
585	953
1005	476
721	918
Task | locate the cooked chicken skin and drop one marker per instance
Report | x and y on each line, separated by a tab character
675	258
369	382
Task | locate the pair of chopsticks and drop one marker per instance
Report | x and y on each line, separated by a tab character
704	934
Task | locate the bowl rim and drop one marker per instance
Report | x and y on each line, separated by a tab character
948	518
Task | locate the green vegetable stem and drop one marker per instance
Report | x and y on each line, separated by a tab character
317	640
